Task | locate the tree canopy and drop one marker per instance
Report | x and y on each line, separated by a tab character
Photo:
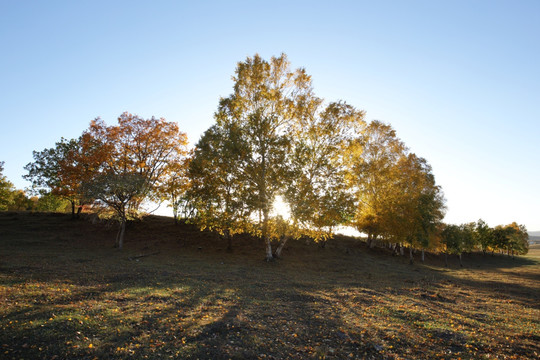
267	101
316	190
131	159
59	171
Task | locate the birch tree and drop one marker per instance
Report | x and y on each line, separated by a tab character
267	100
217	191
484	236
517	239
451	239
458	239
172	188
371	163
316	192
416	203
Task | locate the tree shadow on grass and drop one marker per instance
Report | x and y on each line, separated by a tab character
190	303
114	321
232	310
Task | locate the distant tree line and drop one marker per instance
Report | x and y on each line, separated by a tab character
272	137
12	199
457	239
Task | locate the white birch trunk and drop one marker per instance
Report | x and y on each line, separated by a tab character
281	246
120	236
373	241
269	256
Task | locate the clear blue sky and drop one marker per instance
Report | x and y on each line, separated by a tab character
458	80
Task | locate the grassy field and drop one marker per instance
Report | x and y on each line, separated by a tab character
174	292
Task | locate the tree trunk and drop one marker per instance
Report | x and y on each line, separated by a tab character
446	259
280	247
263	198
423	255
72	209
411	261
79	211
120	237
401	250
460	263
116	241
371	240
229	240
269	256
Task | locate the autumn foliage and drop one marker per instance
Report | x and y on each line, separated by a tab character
272	138
115	168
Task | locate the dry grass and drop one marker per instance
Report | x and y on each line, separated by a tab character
65	293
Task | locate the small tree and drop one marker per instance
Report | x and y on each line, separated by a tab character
468	237
216	191
21	202
52	203
517	239
132	160
500	239
452	240
283	230
174	185
60	171
484	236
6	189
121	193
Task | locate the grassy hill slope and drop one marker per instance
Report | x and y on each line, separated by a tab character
174	292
